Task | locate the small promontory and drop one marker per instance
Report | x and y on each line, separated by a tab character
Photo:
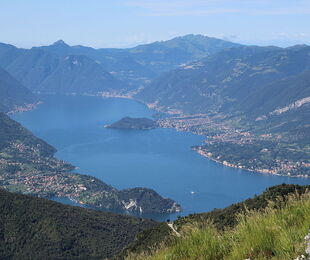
134	123
28	165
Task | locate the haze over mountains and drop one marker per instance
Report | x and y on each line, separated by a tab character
263	91
210	75
46	72
42	68
247	81
251	103
232	80
13	94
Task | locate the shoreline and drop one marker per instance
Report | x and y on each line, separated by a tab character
25	108
154	107
263	171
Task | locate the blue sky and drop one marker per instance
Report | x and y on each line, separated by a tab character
124	23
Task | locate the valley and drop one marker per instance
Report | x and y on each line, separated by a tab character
125	158
28	165
248	102
244	108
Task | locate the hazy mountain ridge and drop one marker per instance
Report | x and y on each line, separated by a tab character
47	72
140	64
165	55
223	81
13	95
231	98
250	82
117	61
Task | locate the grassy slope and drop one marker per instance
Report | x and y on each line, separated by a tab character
274	233
150	240
36	228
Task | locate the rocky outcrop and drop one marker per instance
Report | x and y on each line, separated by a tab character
146	201
307	252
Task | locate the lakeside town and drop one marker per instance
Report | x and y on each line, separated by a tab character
28	166
223	134
226	144
24	108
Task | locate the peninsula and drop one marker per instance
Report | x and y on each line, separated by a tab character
28	166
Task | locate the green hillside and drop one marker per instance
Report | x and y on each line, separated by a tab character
201	234
28	166
13	95
47	72
231	80
252	104
275	233
163	56
36	228
140	64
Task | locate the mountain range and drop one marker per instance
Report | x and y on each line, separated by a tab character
42	71
261	84
60	68
241	94
251	103
247	79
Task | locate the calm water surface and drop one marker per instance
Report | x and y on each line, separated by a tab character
160	159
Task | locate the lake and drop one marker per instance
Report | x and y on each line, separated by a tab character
160	159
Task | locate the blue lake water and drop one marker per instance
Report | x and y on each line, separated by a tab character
160	159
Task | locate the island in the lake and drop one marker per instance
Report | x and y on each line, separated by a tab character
134	123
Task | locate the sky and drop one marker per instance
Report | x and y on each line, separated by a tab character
126	23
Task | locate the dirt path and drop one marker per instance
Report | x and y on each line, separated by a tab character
173	229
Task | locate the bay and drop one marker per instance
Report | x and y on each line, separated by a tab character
160	159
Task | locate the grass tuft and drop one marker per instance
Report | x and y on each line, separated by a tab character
276	233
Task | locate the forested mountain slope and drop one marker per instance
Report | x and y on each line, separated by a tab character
252	103
244	79
13	95
46	72
36	228
140	64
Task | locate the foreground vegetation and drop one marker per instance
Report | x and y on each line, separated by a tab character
36	228
277	232
150	240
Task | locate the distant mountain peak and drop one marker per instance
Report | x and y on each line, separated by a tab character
298	47
190	36
60	42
